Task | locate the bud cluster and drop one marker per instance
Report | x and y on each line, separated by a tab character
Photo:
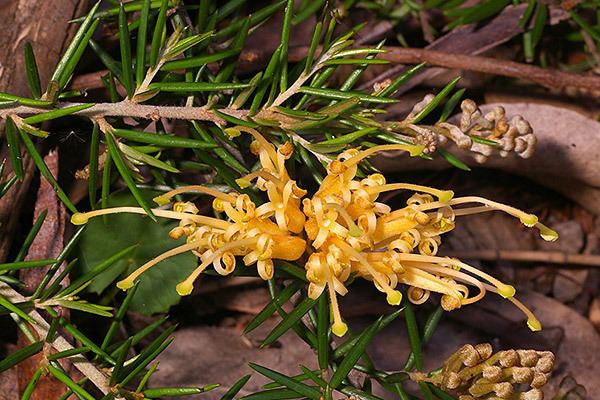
476	373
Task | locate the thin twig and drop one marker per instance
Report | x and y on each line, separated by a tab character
99	379
550	78
129	109
554	257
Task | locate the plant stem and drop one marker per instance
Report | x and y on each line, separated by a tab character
130	109
98	378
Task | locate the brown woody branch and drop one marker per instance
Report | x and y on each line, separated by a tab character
550	78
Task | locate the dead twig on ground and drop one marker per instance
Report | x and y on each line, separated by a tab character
550	78
553	257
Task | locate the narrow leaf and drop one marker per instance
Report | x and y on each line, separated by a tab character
14	148
298	387
20	355
436	101
354	354
31	68
125	46
126	174
235	389
41	165
289	320
58	113
142	35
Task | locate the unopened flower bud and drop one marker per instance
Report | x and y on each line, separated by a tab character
508	358
528	358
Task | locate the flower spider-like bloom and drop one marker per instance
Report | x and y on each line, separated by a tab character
340	233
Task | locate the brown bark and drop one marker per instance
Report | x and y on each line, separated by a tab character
45	25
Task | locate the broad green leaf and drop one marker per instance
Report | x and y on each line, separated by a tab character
156	292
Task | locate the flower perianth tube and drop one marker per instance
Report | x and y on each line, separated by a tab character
165	198
443	195
526	219
503	289
185	287
82	218
532	322
128	282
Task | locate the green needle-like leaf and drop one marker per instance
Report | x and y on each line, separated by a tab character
30	236
272	306
31	68
354	354
344	348
158	35
298	387
71	384
440	394
428	330
401	80
13	308
323	347
255	19
142	35
126	175
236	121
58	113
314	43
235	388
113	66
119	316
451	104
289	321
143	159
68	353
93	166
121	357
452	159
273	394
345	95
436	101
309	9
31	385
185	44
41	165
172	392
199	61
67	63
25	264
413	334
162	140
125	46
25	101
77	334
284	44
20	355
14	148
182	87
143	360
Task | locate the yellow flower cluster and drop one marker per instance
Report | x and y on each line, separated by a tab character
340	233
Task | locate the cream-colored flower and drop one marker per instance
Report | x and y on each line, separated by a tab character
340	233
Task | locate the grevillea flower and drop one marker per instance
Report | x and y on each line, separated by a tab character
340	233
